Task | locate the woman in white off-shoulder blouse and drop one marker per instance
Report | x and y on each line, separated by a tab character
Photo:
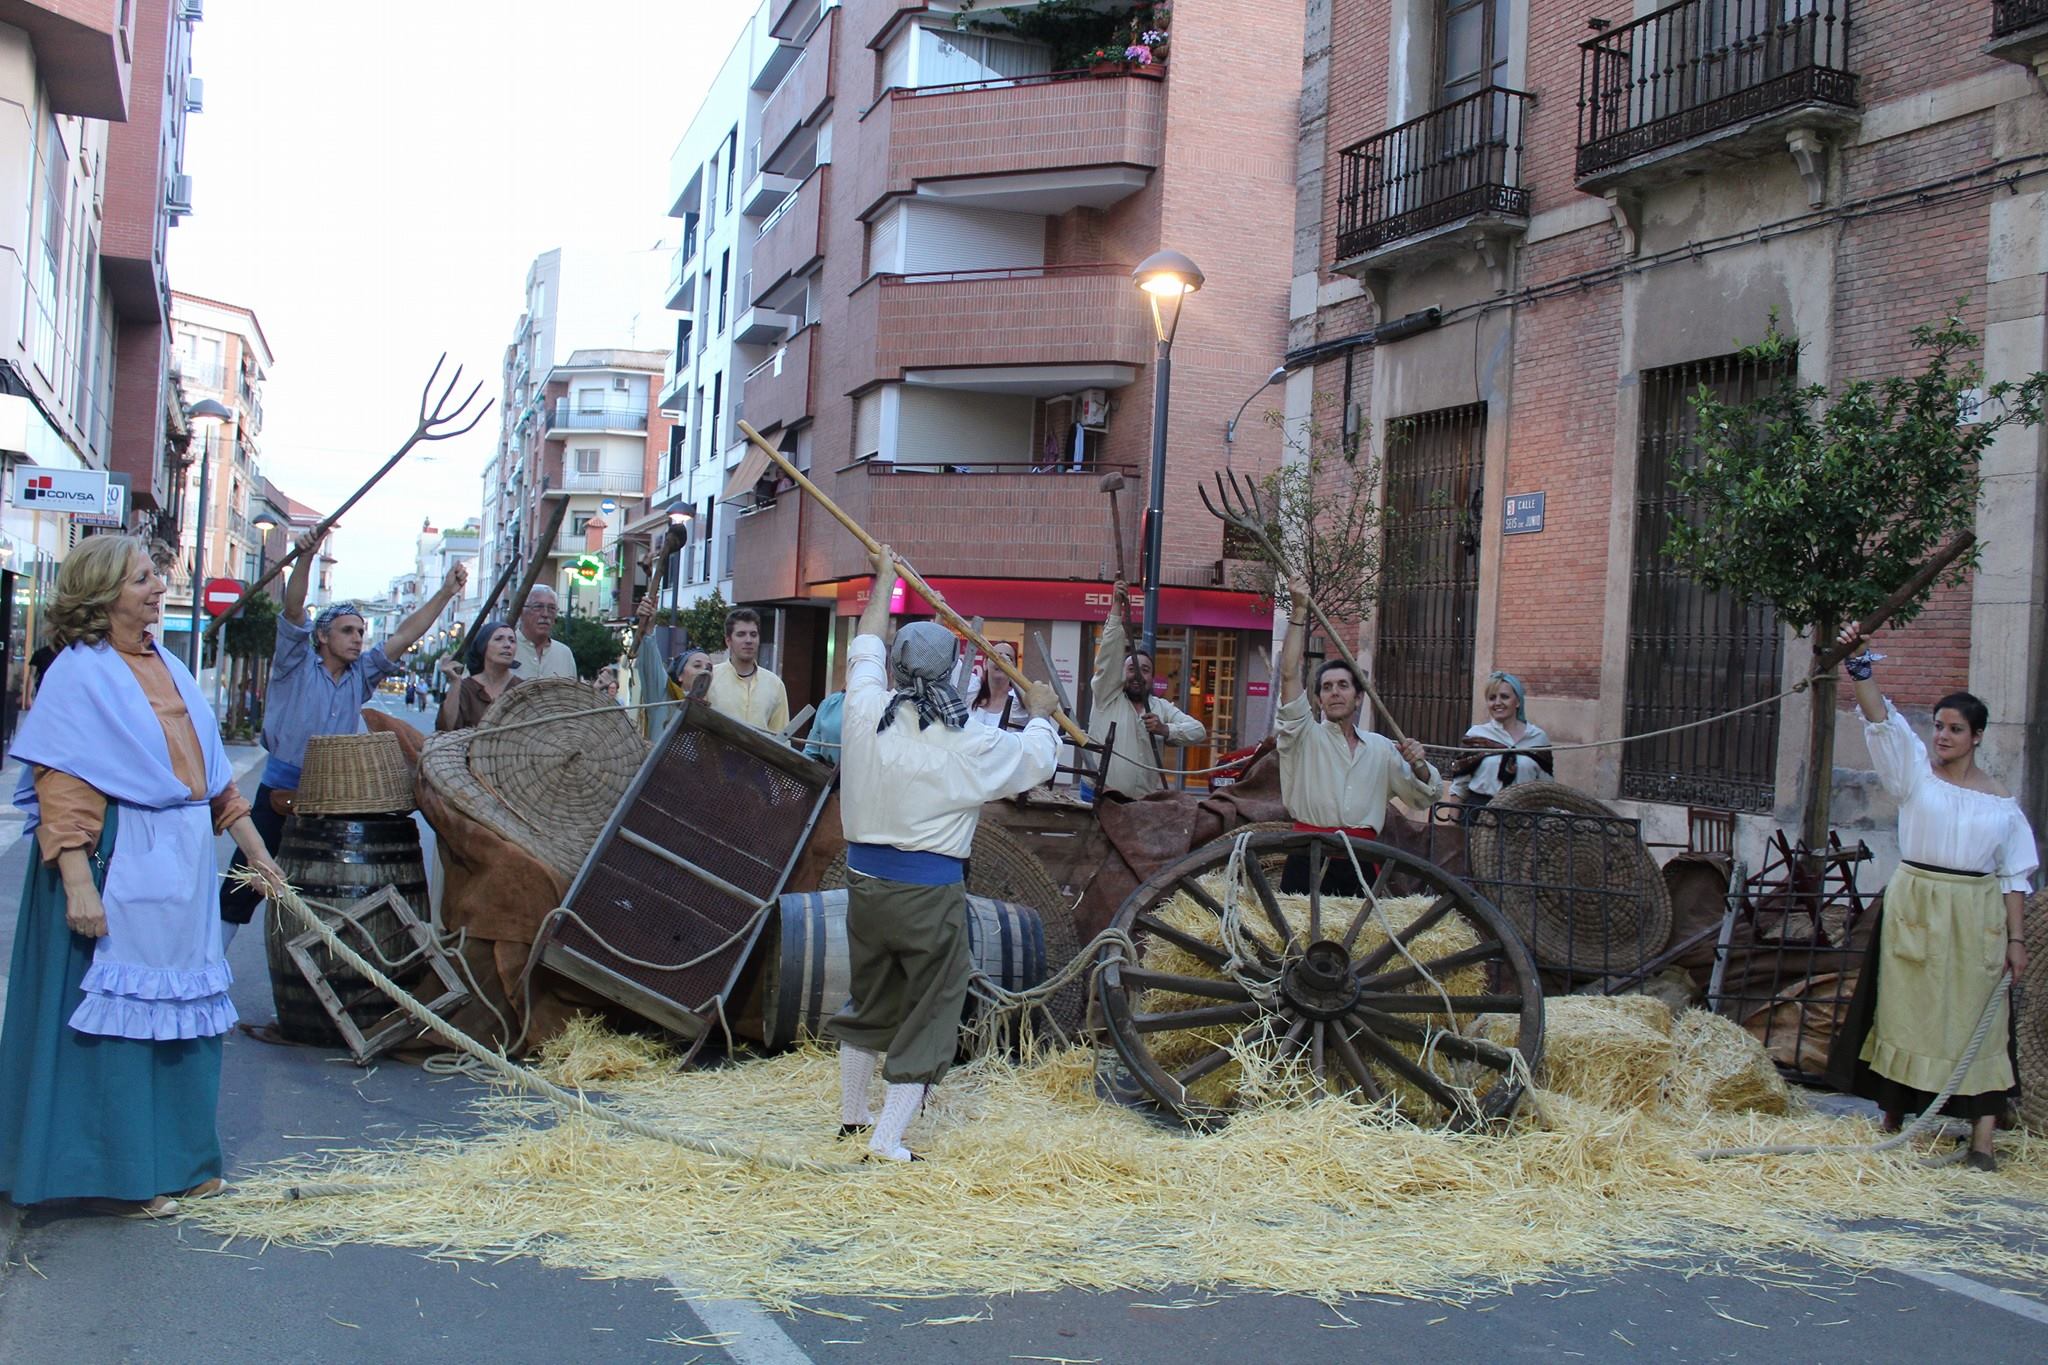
1952	914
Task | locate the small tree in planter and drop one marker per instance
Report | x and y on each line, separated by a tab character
251	638
1824	505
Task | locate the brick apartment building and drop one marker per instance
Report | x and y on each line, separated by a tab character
578	422
1603	200
91	177
935	314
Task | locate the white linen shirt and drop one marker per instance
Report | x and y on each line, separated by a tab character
922	789
1943	825
559	663
1129	770
1326	782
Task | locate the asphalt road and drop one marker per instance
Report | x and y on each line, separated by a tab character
83	1288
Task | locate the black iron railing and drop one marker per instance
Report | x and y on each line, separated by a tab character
1699	66
1462	159
2010	16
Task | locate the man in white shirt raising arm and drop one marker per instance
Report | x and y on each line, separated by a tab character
913	779
1332	777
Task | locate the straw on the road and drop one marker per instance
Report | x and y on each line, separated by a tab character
1035	1184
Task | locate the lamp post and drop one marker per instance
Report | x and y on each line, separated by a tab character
1166	278
216	413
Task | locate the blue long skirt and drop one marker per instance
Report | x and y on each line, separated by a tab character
83	1116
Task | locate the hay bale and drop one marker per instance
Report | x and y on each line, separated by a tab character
1720	1067
1613	1051
1252	1077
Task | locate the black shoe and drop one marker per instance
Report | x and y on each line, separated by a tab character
1980	1161
847	1130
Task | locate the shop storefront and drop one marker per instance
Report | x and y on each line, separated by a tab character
1213	662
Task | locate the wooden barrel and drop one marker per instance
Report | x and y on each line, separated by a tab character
336	860
807	974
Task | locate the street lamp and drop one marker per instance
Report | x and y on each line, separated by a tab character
216	412
1166	278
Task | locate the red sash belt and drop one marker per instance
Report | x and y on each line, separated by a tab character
1356	832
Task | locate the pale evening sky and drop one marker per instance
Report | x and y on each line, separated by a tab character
374	179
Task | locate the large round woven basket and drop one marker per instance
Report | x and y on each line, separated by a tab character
2030	1003
444	766
1585	896
354	775
560	758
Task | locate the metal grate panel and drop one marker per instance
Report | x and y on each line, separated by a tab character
1429	570
1694	652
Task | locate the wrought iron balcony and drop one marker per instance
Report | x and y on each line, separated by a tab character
2010	16
1700	67
1450	164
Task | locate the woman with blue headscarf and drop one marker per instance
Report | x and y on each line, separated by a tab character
1477	778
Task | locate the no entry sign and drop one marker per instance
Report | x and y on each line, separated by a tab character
222	594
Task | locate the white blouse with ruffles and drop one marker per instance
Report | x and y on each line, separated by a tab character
1942	824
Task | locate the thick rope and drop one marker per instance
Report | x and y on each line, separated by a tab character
520	1077
1927	1118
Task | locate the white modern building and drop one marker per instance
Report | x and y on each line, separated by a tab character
727	200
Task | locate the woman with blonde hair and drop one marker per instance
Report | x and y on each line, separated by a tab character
1477	778
118	991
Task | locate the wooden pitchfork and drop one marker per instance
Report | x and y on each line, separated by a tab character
437	423
1239	504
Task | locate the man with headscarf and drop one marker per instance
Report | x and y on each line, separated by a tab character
320	676
914	776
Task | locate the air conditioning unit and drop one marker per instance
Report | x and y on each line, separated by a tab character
178	195
195	95
622	384
192	11
1094	408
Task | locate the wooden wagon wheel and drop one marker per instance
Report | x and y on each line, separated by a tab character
1317	982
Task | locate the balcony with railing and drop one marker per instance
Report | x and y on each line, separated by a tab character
1456	170
570	415
625	482
1086	139
777	392
1053	315
682	283
2019	33
790	240
798	99
1704	82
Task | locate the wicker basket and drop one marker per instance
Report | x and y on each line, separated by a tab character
1620	917
558	759
354	775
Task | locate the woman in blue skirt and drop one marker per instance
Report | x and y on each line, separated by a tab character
118	992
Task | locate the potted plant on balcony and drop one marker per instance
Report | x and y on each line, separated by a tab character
1105	60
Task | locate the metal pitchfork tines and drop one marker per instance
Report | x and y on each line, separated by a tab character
1239	504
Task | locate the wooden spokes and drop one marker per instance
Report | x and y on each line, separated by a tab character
1233	981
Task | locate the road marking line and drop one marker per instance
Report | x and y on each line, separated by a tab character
756	1338
1982	1293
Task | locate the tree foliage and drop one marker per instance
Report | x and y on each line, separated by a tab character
252	631
1326	522
593	642
1824	506
1071	29
703	621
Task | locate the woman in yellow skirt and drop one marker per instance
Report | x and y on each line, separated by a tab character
1952	913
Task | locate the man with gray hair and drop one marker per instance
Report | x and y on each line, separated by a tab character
541	655
320	676
913	779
